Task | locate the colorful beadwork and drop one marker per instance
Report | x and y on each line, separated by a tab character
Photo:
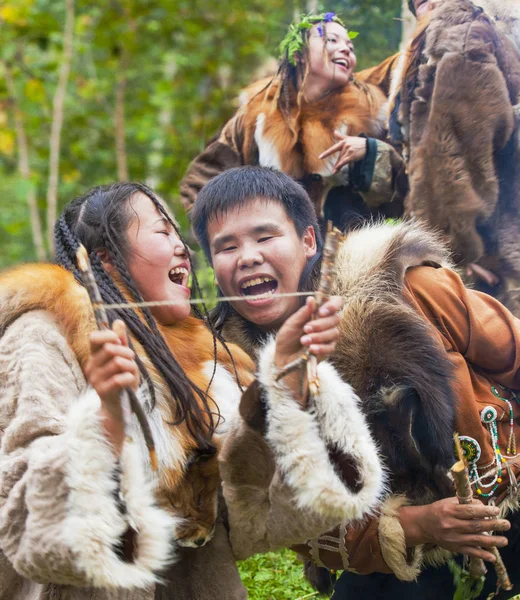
470	448
488	415
511	443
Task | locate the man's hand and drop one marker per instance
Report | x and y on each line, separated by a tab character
299	333
456	527
350	148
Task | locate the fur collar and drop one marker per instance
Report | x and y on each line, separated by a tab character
292	143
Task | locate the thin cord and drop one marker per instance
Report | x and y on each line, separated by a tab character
130	305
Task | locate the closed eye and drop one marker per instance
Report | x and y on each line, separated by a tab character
266	238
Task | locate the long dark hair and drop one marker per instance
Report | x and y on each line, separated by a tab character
99	220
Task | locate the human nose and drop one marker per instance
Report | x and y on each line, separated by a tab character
344	48
180	249
249	257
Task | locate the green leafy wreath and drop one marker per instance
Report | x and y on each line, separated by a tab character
293	42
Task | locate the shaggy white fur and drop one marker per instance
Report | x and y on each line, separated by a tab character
299	441
93	525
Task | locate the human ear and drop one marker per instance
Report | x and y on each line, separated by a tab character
106	261
309	242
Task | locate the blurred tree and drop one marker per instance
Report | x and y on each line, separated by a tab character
151	81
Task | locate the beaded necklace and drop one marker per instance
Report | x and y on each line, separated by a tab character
472	451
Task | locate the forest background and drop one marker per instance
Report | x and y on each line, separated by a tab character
103	90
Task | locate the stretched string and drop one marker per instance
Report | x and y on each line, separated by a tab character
131	305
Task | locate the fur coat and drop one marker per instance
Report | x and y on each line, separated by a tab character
260	134
422	352
64	509
455	106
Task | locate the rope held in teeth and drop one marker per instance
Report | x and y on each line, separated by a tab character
153	303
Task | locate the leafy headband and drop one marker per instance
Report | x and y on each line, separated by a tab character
293	42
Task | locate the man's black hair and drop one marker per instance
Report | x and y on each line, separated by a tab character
237	187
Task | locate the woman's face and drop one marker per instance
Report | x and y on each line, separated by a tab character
157	260
331	55
256	251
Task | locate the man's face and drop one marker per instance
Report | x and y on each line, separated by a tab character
255	250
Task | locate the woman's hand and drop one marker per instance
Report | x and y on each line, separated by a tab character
299	333
111	368
456	527
350	148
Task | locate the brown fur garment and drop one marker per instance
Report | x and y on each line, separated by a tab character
461	117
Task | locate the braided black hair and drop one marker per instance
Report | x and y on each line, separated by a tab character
99	220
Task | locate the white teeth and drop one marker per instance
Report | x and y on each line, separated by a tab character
256	281
179	270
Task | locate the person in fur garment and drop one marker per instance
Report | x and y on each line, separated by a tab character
81	515
426	356
455	109
317	122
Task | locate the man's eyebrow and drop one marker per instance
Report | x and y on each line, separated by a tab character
259	229
222	240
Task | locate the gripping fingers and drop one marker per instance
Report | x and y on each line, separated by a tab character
325	337
113	386
481	525
477	553
322	350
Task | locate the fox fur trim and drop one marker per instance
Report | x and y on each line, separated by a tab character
391	358
302	443
404	562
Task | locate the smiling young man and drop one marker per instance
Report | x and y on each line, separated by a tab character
424	354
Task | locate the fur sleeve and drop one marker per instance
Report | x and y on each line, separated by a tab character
310	471
59	517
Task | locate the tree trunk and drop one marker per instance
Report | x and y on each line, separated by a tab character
119	118
23	166
408	24
57	123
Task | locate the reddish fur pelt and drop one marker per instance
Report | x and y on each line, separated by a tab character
189	485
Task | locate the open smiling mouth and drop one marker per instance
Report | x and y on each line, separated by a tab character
341	62
179	276
261	286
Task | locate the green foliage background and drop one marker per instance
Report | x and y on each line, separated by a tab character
186	61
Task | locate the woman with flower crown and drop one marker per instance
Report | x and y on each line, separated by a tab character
317	122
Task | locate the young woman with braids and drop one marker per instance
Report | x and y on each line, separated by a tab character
317	122
81	515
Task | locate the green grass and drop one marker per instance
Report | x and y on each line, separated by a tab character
275	576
